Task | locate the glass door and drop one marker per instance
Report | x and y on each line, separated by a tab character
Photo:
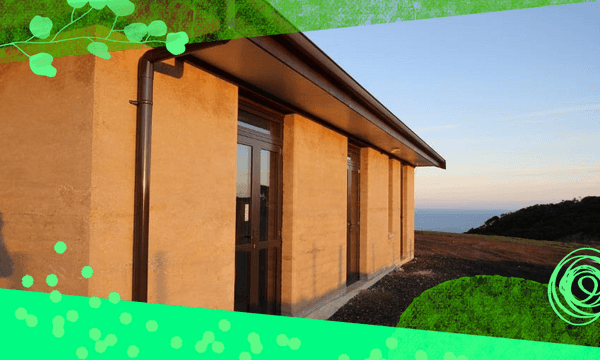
258	224
353	231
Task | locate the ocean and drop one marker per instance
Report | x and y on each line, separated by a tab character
455	221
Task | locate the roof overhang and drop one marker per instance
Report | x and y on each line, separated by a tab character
294	71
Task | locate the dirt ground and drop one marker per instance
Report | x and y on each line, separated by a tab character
440	257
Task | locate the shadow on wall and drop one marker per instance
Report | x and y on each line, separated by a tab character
7	268
20	265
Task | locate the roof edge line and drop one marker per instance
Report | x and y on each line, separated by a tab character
299	41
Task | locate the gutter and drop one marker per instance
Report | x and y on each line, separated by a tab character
150	62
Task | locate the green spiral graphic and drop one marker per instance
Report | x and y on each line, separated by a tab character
573	272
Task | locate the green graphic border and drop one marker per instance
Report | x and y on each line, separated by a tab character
202	19
41	325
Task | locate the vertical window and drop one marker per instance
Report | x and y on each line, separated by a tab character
400	188
391	197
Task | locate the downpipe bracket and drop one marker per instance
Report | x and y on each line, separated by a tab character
141	102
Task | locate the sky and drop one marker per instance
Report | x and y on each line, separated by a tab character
510	99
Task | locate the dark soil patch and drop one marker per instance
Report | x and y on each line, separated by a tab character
439	258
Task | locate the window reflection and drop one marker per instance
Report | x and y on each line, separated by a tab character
243	194
268	163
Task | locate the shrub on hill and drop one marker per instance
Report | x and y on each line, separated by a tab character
568	221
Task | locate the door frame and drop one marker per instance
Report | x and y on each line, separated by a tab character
353	166
250	110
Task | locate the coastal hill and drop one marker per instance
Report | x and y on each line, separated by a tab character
568	221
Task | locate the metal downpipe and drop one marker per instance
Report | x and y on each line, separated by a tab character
146	69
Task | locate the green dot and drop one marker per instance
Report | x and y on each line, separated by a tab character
208	337
55	296
58	321
176	342
94	302
87	272
21	313
81	353
449	356
420	355
375	354
31	320
245	356
95	334
282	340
51	280
151	326
133	351
60	247
343	357
391	343
253	337
72	315
114	297
218	347
294	344
224	325
100	347
27	281
58	332
256	348
125	318
201	346
110	340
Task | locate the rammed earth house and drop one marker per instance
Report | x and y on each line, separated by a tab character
249	175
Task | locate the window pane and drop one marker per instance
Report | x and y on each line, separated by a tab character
252	122
268	195
243	194
242	281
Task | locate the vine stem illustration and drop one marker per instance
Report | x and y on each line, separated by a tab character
83	37
40	27
28	41
72	13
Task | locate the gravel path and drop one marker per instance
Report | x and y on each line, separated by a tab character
439	258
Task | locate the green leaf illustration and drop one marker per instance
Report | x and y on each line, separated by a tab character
98	4
77	4
176	42
157	28
40	26
41	64
121	7
99	49
135	32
